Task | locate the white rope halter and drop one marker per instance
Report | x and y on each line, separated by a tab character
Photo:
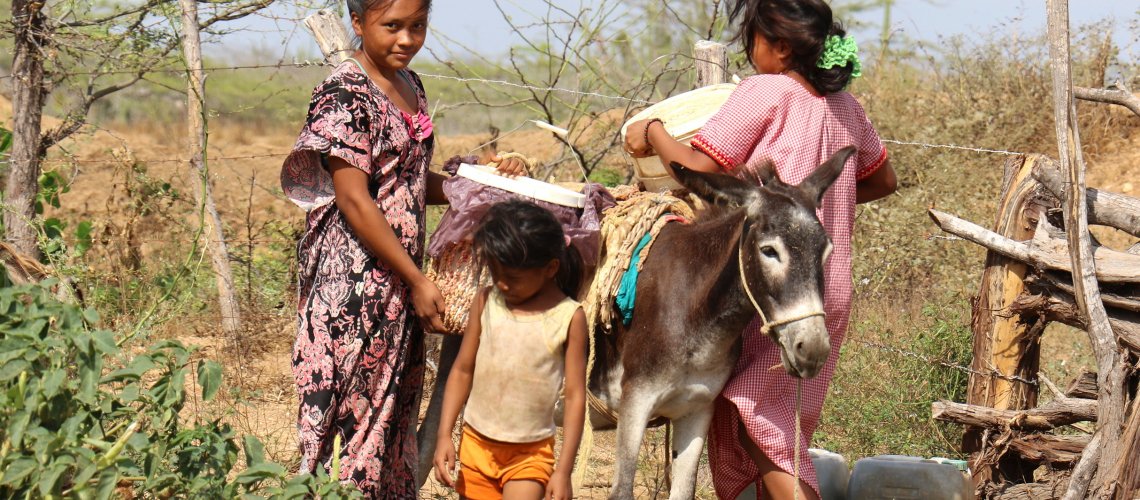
764	329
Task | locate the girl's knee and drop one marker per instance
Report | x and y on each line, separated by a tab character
523	489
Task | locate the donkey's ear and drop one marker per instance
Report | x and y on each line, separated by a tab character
824	175
718	189
766	174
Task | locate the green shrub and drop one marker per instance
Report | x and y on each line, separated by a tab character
83	417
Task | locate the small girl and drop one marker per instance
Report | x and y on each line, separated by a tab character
525	342
795	113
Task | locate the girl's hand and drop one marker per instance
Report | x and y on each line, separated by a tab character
560	487
637	141
429	305
444	462
510	167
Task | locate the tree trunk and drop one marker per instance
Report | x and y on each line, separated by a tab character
1110	367
213	241
1003	341
31	42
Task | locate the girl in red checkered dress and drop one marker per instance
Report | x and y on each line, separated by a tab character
793	111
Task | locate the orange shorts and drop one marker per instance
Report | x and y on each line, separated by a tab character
486	465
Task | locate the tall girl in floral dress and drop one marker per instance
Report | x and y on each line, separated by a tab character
360	171
794	112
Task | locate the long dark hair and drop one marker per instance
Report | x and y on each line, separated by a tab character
359	7
519	234
804	25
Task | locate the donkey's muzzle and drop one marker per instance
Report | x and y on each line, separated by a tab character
804	346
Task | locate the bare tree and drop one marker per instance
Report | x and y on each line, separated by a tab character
92	50
212	238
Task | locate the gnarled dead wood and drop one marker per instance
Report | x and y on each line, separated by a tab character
1125	324
1050	448
1084	386
1025	491
1053	282
1111	266
1050	416
1126	471
1105	208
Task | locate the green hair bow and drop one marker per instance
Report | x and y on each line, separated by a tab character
838	51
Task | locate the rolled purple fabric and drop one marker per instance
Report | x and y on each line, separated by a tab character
470	201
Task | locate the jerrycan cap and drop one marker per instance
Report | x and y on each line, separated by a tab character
961	465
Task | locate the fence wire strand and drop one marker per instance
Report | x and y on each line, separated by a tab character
942	362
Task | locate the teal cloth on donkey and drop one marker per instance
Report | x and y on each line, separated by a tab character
627	290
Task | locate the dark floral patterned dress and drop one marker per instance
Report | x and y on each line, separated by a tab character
358	358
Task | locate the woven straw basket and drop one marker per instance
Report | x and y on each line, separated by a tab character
457	274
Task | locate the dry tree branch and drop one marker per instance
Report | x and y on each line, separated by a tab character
236	12
1117	93
141	9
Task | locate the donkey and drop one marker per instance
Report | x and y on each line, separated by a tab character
700	285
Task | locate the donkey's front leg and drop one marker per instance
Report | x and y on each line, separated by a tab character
688	441
633	415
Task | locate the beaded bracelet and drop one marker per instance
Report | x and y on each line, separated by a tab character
647	125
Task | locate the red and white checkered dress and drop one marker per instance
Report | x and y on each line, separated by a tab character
774	117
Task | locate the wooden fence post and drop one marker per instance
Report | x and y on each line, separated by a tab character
212	240
1111	374
331	36
711	63
1005	344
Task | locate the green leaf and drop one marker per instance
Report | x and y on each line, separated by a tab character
123	374
5	140
210	378
16	428
83	240
52	381
260	472
295	490
254	450
107	482
12	369
49	481
8	351
86	472
91	316
104	341
18	470
129	394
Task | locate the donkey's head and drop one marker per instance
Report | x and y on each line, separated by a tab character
780	253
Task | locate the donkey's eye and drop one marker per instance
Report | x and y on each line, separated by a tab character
769	252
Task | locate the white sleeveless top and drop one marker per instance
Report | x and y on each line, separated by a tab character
519	370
